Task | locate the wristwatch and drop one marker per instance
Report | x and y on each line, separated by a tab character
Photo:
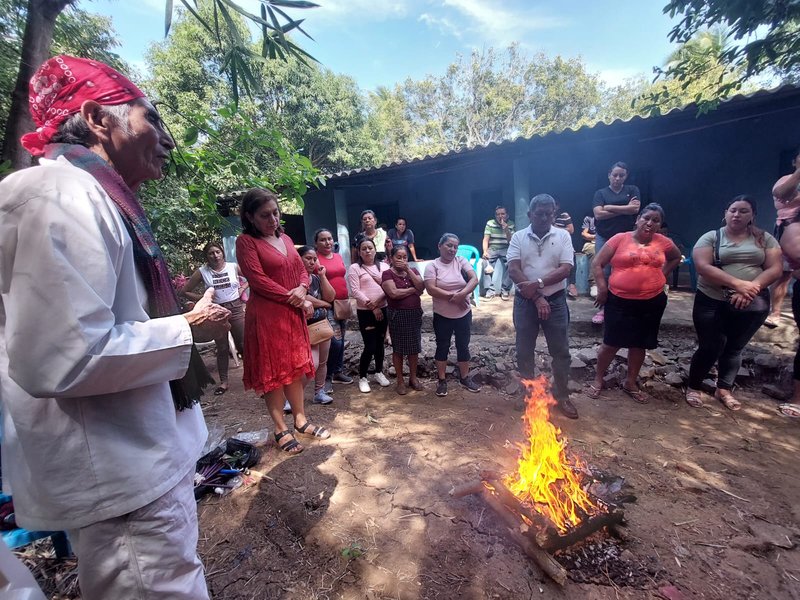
541	283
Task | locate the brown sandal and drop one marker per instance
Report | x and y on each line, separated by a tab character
728	400
638	395
694	398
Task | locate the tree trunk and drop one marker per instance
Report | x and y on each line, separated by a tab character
36	41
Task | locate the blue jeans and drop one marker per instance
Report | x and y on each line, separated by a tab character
527	324
501	277
599	242
336	353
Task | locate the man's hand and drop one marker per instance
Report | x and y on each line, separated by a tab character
528	289
543	306
208	321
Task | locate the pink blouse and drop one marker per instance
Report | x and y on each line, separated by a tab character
365	284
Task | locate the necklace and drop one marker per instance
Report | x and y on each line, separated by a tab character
540	242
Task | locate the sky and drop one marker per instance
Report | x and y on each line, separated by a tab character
383	42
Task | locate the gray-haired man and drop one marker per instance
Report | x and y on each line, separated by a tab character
539	260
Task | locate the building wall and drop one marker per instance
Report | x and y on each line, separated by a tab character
691	165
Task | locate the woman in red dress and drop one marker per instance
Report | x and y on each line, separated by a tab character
275	333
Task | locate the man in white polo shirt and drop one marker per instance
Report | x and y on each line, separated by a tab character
539	261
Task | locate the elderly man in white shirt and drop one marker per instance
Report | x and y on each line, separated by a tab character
99	378
539	261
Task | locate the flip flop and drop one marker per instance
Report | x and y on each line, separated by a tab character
771	323
694	398
220	390
599	318
638	395
790	410
592	392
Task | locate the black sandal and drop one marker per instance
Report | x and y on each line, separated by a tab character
288	447
318	432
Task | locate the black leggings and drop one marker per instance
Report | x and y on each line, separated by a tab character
444	328
373	332
722	334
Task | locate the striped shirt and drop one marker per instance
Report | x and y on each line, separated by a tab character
497	237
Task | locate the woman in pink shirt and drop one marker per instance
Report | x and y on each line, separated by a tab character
450	280
364	279
786	196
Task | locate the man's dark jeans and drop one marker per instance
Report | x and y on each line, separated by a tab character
527	324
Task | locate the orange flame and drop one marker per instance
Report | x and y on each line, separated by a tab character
546	478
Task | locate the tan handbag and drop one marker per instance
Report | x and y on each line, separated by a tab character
342	309
319	332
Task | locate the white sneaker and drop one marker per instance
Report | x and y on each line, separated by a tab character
381	379
363	385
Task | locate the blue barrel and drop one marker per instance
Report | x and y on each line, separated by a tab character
582	265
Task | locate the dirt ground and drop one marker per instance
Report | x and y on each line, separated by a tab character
367	515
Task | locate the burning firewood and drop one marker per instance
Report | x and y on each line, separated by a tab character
543	504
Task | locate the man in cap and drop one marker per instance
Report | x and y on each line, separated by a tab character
99	377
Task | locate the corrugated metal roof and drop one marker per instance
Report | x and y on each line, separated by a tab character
739	98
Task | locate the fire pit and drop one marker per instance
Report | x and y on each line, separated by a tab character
544	504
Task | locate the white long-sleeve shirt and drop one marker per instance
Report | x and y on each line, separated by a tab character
90	430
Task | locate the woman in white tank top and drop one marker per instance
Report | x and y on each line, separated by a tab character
224	278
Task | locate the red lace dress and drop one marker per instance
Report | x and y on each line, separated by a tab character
275	334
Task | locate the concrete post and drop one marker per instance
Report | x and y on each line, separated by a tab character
522	193
342	232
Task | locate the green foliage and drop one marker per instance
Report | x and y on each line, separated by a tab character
181	227
322	114
220	152
239	58
765	41
489	97
354	550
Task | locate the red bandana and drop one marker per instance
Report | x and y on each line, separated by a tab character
59	88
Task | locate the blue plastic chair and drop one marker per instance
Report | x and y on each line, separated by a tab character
692	271
473	257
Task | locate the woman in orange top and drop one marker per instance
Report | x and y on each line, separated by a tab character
636	300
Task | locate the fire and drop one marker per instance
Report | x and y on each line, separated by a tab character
546	479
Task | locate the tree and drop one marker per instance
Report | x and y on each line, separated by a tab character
40	21
75	32
765	36
487	98
238	58
321	113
